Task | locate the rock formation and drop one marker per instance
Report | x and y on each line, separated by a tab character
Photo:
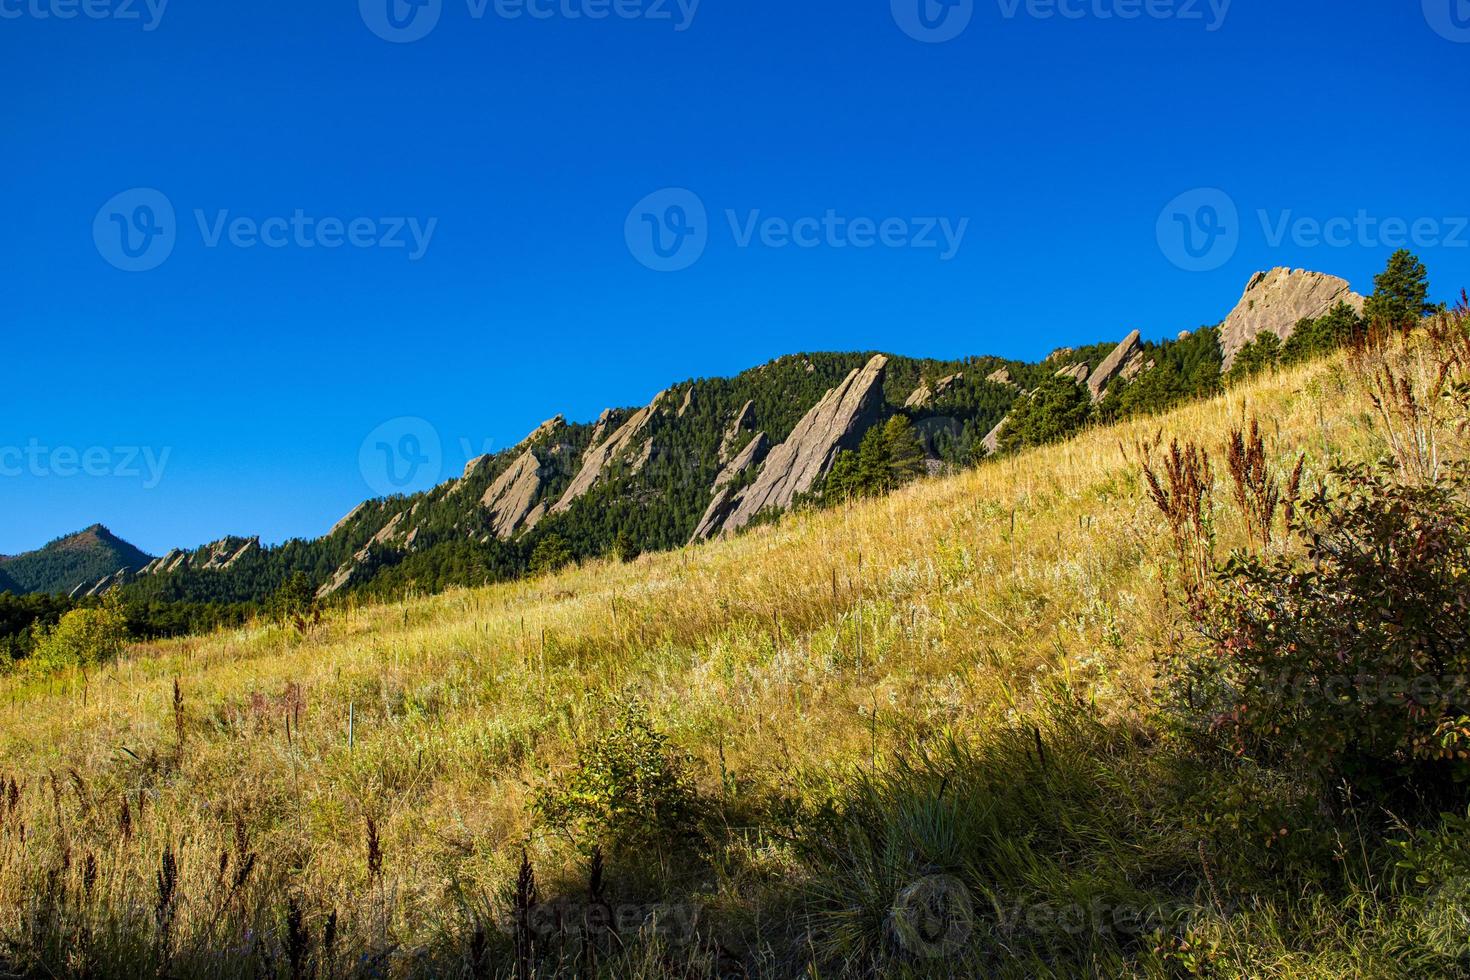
1277	301
743	420
1001	376
1077	372
991	442
754	452
348	519
512	498
597	457
924	395
1113	365
835	423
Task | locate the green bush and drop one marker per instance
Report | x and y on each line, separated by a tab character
82	638
629	789
1351	660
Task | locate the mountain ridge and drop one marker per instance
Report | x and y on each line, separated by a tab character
704	458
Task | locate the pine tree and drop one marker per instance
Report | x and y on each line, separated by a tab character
905	452
1400	292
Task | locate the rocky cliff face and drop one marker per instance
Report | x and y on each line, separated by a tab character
599	456
924	395
512	500
836	423
1277	301
1120	359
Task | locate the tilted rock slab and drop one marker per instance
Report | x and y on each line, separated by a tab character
725	497
512	498
925	394
837	422
754	452
1277	301
598	457
1113	365
744	419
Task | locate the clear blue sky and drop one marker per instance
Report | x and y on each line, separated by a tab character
527	141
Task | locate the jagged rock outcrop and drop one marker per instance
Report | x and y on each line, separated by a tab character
1077	372
218	556
1277	301
512	498
598	457
716	514
472	469
688	401
346	520
1137	364
1001	376
991	442
1113	365
752	455
743	420
546	429
362	561
924	395
835	423
225	552
103	585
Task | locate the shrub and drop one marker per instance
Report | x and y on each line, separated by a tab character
628	790
82	638
1351	660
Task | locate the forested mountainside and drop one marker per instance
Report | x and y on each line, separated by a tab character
708	457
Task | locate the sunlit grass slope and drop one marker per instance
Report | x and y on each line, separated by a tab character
781	661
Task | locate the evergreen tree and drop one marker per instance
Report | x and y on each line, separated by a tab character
1055	410
904	451
1400	293
1313	338
1259	355
550	554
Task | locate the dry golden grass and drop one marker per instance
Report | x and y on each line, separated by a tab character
791	652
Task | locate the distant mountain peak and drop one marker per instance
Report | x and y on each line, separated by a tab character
61	565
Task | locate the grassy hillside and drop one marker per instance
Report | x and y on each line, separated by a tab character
941	700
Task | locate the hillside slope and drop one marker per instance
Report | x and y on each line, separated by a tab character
84	557
388	766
